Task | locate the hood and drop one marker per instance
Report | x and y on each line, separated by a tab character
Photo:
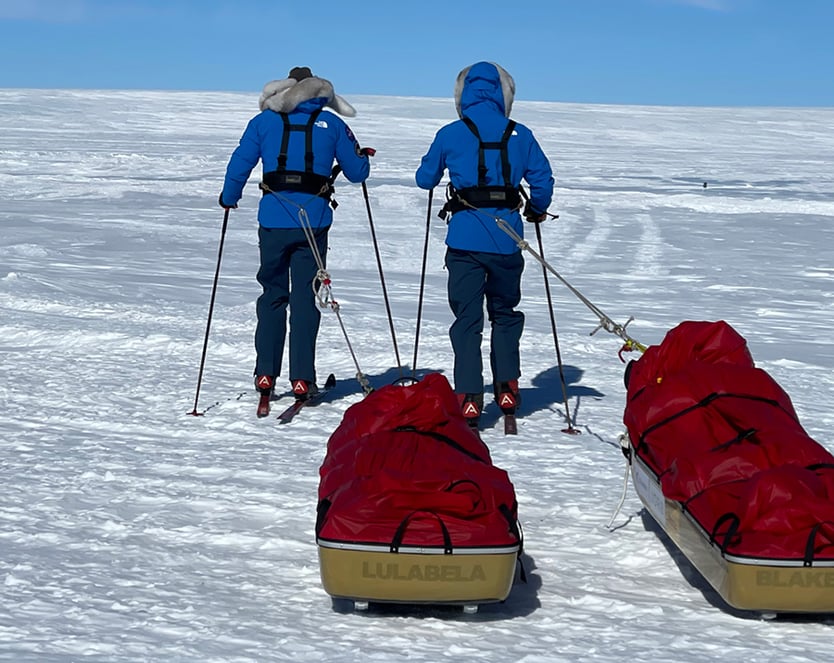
484	82
284	96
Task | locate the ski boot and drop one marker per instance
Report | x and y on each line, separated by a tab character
508	397
471	405
303	390
265	384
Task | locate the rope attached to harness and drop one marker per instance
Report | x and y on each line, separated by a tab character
322	285
605	322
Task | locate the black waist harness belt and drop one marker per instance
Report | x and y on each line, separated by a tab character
305	180
484	195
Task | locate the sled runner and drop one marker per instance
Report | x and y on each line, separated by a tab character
411	508
721	462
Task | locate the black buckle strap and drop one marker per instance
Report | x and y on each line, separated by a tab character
499	197
305	181
490	196
485	195
500	145
296	180
307	128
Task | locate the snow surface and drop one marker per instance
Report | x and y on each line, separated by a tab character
132	531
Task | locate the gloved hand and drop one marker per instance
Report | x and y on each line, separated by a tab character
224	205
533	216
367	151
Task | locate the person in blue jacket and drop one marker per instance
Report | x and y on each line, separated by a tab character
297	140
487	155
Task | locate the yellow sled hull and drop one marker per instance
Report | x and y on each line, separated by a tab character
761	585
412	577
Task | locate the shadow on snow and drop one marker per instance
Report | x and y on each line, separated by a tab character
546	392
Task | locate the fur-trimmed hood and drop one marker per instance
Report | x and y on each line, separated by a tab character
484	81
285	95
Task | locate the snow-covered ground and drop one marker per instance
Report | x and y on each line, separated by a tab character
132	531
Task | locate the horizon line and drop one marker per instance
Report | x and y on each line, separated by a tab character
175	90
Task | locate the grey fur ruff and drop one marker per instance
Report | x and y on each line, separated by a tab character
285	95
507	88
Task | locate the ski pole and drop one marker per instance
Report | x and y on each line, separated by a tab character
422	286
210	311
570	429
382	277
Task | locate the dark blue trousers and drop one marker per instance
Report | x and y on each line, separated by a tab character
474	276
288	269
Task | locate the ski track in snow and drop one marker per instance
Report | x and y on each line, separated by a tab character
131	531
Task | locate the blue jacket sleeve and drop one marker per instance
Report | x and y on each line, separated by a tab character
539	176
431	168
243	160
355	165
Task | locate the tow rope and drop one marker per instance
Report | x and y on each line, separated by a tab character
605	322
322	285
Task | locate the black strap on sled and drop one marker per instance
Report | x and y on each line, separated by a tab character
485	195
451	487
440	438
747	435
512	523
641	441
729	536
515	530
397	541
810	546
321	513
305	181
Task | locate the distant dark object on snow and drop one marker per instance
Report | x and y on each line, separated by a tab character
705	185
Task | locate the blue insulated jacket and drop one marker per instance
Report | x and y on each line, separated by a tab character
455	148
332	139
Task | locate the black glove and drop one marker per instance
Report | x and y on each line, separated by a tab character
367	151
533	216
224	205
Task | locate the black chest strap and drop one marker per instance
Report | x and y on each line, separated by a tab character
305	181
484	195
307	128
500	145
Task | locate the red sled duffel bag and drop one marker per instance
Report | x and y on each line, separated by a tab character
722	462
411	507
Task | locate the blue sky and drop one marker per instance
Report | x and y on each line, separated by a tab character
673	52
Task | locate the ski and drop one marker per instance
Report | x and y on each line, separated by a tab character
263	405
508	398
265	384
287	415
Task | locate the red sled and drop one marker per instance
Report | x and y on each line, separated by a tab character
721	462
411	508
